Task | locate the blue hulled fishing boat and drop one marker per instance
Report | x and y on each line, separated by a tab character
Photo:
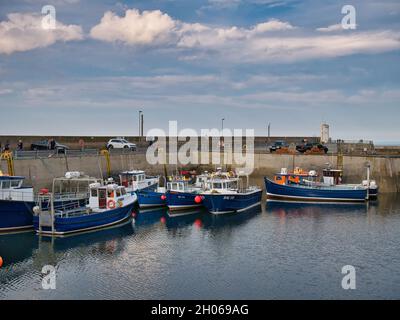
108	205
304	187
152	198
16	203
183	193
228	195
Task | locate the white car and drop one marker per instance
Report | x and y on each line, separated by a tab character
119	143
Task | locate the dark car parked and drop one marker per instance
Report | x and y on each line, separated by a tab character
278	145
302	148
46	145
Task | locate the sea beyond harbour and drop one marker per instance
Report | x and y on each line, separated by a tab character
276	251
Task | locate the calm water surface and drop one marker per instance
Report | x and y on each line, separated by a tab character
279	251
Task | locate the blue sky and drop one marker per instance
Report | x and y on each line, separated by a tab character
249	61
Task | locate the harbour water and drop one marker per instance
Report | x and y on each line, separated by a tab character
277	251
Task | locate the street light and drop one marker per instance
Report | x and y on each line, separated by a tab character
140	112
222	123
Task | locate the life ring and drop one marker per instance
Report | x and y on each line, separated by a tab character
111	204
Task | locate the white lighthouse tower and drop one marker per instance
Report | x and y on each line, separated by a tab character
324	133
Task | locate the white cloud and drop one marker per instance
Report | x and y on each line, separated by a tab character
273	40
332	28
23	32
148	27
5	91
272	25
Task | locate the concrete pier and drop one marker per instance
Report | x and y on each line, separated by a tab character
40	172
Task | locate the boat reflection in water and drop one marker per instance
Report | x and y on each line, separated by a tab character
309	208
17	247
230	219
95	244
199	217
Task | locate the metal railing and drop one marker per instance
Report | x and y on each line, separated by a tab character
42	154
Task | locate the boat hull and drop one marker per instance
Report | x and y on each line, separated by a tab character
67	225
373	193
15	215
181	200
150	198
300	193
229	203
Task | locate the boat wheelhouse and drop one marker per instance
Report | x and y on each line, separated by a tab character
16	203
228	195
157	197
108	205
136	180
181	195
74	187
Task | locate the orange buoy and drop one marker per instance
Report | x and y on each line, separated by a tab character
44	191
1	261
163	197
197	199
163	220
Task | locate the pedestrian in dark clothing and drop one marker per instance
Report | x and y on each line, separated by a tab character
7	146
52	144
20	145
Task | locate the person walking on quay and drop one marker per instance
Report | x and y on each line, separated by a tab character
20	145
81	144
7	147
52	146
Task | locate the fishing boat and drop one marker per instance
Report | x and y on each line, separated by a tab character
149	198
226	194
108	205
16	203
305	187
181	195
137	180
182	192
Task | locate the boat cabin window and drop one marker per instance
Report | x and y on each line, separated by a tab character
15	183
232	185
110	193
93	192
217	185
173	186
5	184
118	191
177	186
102	199
123	191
